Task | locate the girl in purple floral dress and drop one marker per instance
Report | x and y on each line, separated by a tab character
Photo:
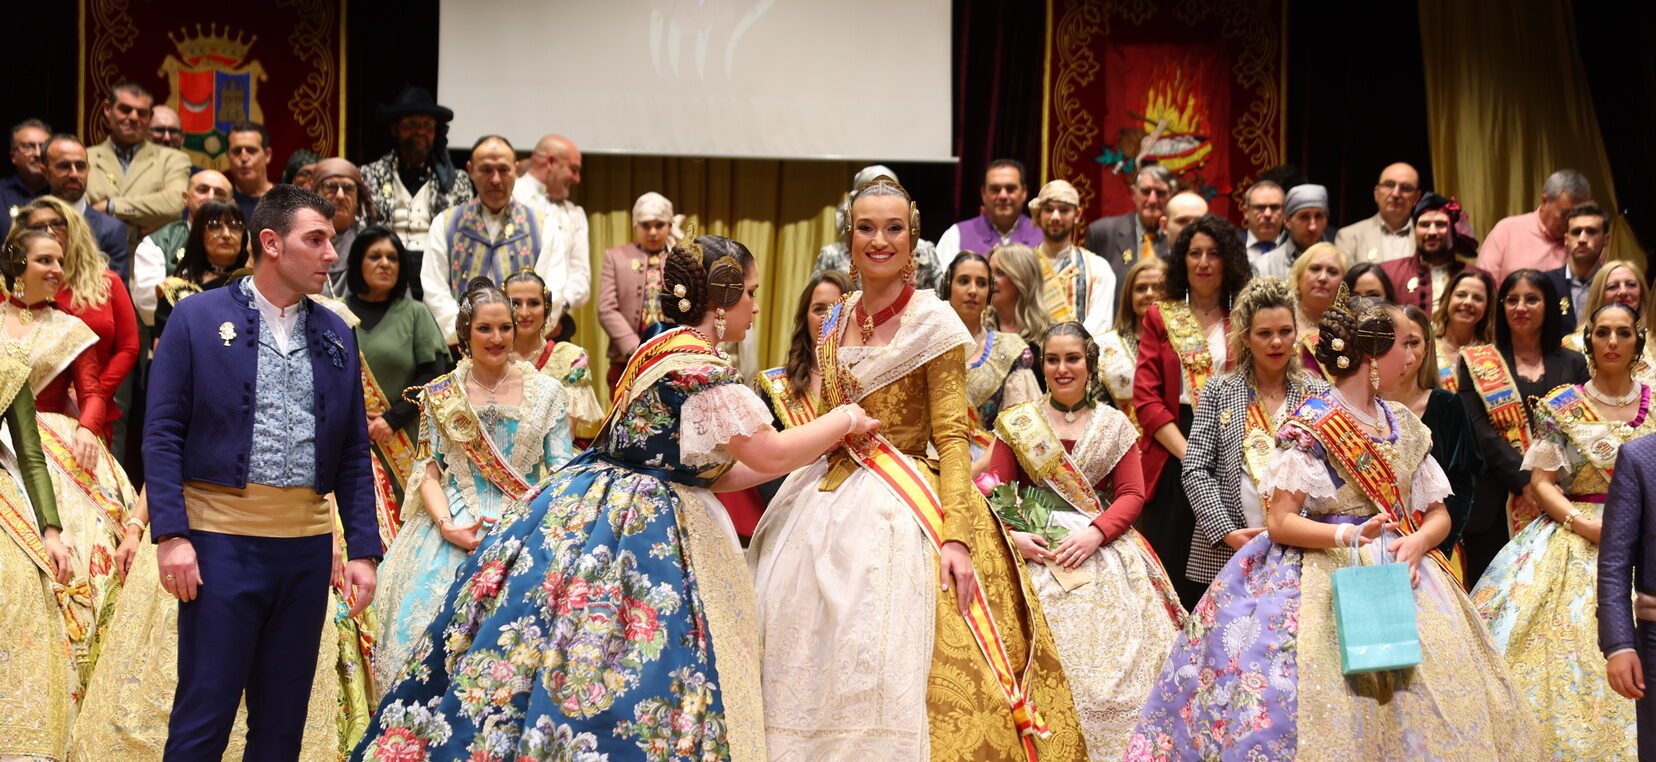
1258	666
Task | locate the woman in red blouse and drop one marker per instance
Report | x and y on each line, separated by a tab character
89	290
1114	631
1181	346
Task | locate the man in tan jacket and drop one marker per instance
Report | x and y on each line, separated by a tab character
132	179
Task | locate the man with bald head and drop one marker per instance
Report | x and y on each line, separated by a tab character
165	128
161	250
492	235
1184	208
553	168
1387	235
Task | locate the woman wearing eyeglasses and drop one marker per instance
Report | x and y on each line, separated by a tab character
216	249
1496	381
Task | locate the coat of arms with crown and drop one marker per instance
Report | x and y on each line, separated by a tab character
213	86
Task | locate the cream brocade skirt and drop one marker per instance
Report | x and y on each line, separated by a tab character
35	672
130	696
1113	634
847	594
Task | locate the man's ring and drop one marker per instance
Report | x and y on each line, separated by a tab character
169	577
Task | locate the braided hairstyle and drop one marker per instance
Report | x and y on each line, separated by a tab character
479	291
700	275
14	259
1089	349
1351	331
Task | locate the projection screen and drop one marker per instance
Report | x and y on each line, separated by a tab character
825	79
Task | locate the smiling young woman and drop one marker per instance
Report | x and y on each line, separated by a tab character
1112	632
873	650
462	482
1527	360
1540	594
999	365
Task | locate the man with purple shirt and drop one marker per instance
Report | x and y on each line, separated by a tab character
1626	555
1004	193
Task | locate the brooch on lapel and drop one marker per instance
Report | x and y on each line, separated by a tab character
510	229
1224	418
335	348
227	332
1564	306
1413	284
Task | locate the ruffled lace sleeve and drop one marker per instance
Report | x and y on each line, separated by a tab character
1429	485
1545	454
1298	470
714	416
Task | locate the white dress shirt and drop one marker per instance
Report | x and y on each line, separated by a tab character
572	266
280	319
434	267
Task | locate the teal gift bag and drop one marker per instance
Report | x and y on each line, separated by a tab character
1374	615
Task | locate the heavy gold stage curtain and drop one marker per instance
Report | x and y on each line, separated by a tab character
783	211
1509	104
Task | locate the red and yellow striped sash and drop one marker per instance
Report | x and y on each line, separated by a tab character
58	454
793	409
648	355
897	473
392	461
1360	464
1184	332
1492	379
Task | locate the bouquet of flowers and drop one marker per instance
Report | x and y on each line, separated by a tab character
1029	511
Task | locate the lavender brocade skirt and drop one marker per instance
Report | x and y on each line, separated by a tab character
1258	664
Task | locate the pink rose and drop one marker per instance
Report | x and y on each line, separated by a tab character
987	482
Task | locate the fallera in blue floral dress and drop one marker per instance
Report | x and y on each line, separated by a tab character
610	615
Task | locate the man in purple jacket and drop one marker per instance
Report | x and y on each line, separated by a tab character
1627	555
1004	192
256	413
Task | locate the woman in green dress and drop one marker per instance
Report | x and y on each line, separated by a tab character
402	348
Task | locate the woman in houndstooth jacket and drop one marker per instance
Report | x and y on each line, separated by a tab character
1219	455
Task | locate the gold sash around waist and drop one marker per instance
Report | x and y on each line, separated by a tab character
259	510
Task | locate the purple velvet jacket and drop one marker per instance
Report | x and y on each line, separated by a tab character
1627	545
200	416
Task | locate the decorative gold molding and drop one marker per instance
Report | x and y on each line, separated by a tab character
309	102
112	32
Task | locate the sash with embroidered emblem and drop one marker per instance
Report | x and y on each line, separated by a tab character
1493	381
1258	442
1184	332
1040	451
1495	386
1597	439
392	462
898	474
58	453
447	404
1362	464
793	409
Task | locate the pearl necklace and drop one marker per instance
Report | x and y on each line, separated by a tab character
1621	401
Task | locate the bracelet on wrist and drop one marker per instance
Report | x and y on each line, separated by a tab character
851	417
1569	521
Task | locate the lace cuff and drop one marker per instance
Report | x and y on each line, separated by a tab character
583	405
1297	470
1546	455
713	416
1429	485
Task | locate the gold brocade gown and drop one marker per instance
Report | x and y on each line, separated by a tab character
835	544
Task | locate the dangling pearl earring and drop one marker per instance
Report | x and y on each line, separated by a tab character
1374	377
719	323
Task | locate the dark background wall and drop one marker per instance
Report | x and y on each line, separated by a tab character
1356	94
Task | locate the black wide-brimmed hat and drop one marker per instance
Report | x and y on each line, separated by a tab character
413	100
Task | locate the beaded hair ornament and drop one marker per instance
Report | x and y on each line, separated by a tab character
1372	339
